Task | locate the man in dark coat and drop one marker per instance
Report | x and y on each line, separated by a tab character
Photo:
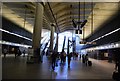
69	59
53	59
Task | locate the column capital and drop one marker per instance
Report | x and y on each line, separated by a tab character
53	24
41	3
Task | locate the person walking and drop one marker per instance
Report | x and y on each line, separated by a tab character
5	52
19	52
69	59
116	73
16	52
80	56
23	53
53	59
62	57
117	60
86	59
83	58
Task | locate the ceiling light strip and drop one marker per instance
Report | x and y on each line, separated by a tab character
106	46
14	44
15	34
106	35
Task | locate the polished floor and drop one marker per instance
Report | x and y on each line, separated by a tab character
16	68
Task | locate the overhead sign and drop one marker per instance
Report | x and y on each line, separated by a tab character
84	42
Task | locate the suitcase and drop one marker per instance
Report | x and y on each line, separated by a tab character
89	63
116	75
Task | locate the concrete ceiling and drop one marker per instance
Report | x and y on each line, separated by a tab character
96	14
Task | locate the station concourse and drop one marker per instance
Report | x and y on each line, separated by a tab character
31	32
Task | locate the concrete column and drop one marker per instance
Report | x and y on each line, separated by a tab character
37	29
73	32
64	43
52	37
68	46
57	42
74	44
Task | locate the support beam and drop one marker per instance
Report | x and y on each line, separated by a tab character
54	17
68	46
64	43
57	42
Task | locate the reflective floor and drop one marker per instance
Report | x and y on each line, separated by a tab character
16	68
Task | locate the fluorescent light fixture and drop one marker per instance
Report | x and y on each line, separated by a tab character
15	34
106	46
14	44
106	35
117	45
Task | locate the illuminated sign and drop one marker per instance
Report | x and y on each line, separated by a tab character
83	42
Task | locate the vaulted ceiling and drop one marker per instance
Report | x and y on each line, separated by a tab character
96	13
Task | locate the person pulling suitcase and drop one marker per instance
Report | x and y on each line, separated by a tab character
89	63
